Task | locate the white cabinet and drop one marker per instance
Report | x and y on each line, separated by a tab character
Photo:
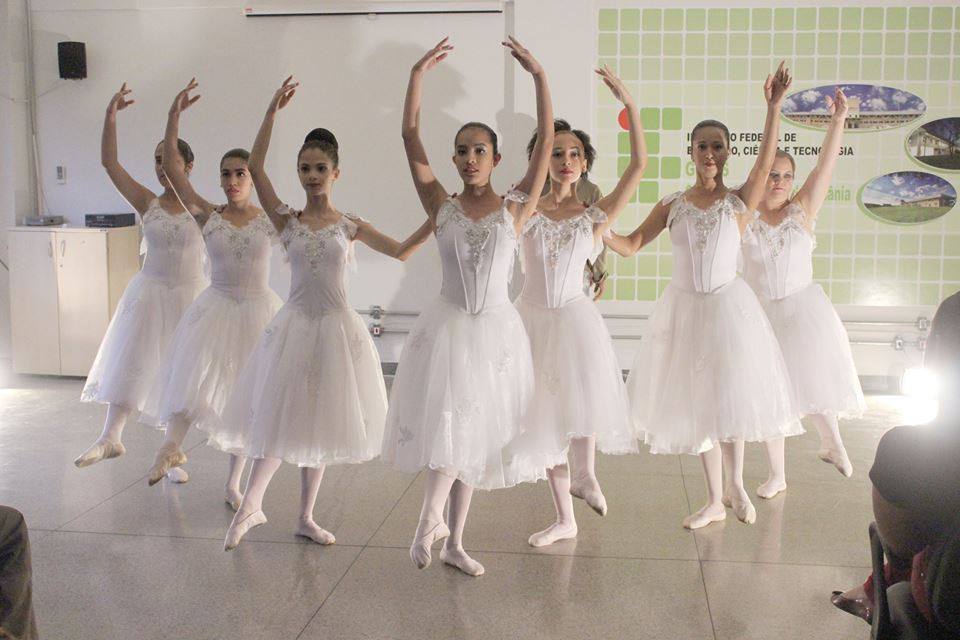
64	287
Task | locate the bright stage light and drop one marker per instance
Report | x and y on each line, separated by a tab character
920	386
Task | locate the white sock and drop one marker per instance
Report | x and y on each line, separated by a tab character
740	500
310	479
232	493
453	553
565	526
583	484
831	445
714	510
108	445
250	514
431	526
777	477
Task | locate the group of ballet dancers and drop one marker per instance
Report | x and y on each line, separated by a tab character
488	392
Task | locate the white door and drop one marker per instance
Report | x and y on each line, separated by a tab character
84	298
34	319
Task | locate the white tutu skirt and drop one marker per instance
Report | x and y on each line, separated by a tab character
816	349
709	370
461	388
136	339
212	342
311	393
579	385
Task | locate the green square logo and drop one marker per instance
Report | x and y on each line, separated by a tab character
651	19
806	19
739	19
717	19
650	118
648	191
783	19
630	20
652	171
696	19
670	168
873	18
762	19
673	20
608	20
672	119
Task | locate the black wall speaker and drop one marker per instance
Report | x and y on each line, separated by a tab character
73	60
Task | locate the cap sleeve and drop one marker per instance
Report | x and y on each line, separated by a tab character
350	224
515	195
669	201
736	203
595	214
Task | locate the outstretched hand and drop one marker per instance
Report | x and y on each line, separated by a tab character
777	84
615	84
523	56
119	101
283	95
837	105
433	57
184	101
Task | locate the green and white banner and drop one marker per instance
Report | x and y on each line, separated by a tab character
889	233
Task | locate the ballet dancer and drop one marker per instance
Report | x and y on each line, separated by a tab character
778	265
465	375
154	300
709	369
580	401
222	326
312	392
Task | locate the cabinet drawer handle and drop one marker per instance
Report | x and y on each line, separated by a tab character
50	249
63	247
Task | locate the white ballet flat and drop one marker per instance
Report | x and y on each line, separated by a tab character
168	457
238	529
420	549
100	450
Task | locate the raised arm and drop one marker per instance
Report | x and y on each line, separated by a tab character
132	191
258	155
817	185
774	91
388	246
616	200
650	228
532	181
175	172
431	192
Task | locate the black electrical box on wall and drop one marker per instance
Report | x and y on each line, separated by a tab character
73	60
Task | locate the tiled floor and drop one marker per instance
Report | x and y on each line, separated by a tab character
114	558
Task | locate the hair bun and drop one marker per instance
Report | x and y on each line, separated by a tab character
322	135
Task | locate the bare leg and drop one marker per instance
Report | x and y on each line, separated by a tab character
108	445
453	552
777	476
233	495
584	483
831	446
565	527
714	510
310	479
739	500
431	526
250	513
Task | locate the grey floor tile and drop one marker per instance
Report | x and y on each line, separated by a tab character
114	586
520	596
762	601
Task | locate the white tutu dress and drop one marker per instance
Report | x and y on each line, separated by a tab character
465	375
777	263
312	391
579	386
149	310
219	330
709	368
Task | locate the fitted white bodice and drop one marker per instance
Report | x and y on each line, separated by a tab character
705	242
554	255
476	256
778	260
174	246
239	256
318	261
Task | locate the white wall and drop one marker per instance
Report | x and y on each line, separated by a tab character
15	176
353	72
